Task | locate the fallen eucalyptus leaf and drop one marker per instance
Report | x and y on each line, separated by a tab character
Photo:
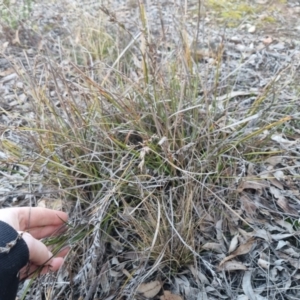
150	289
233	265
241	250
169	296
263	263
234	243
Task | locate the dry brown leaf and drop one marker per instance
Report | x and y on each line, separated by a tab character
248	205
274	160
295	192
272	178
251	169
263	234
282	141
284	205
293	261
233	265
281	236
198	275
221	124
282	202
276	183
213	246
281	244
169	296
285	225
233	94
291	252
150	289
219	230
241	250
253	184
244	235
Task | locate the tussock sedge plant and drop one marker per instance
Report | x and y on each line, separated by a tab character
139	150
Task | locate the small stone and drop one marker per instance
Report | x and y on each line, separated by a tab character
19	85
252	29
267	41
241	48
22	98
235	40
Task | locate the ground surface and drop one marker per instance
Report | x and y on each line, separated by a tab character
260	43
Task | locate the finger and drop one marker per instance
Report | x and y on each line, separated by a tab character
30	270
56	263
30	217
63	252
10	216
41	232
38	252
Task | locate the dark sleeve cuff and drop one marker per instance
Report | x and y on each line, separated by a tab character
11	262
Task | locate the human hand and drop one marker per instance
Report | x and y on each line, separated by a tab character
37	223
